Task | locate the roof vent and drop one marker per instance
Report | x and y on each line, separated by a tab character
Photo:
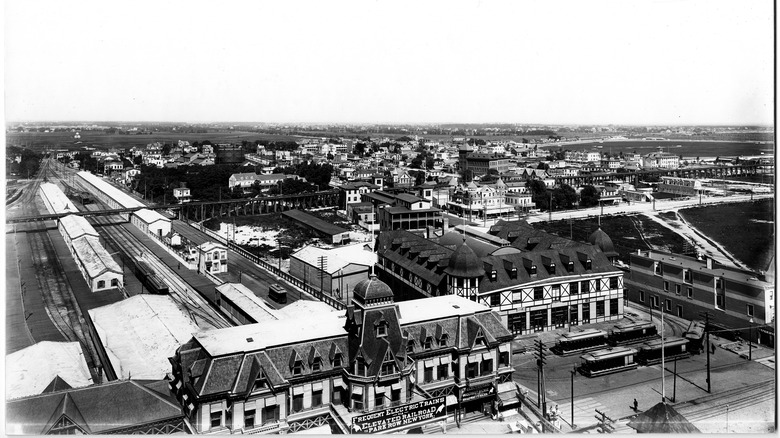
250	340
456	306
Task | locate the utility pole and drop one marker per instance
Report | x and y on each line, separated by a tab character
573	372
674	385
605	422
322	263
540	362
707	330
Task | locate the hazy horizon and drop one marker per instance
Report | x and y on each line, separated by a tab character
600	62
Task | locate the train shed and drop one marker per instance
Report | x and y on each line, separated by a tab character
140	333
151	222
334	234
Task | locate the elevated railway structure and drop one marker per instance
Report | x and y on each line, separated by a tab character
684	172
199	211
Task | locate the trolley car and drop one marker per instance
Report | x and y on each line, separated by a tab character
631	333
607	361
579	342
277	293
673	348
695	336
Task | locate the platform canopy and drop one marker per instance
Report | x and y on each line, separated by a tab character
662	418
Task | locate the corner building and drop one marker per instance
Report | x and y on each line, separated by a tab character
336	370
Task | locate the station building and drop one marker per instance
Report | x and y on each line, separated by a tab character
151	222
434	359
685	286
97	267
212	258
539	282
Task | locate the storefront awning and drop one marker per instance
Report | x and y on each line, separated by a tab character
380	389
317	386
298	390
487	356
504	347
338	383
472	359
429	363
358	390
396	386
446	360
270	401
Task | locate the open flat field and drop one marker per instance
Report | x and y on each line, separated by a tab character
747	230
624	230
40	140
704	148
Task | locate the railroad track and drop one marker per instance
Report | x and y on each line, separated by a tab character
716	404
179	291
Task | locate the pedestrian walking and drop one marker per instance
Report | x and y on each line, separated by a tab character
713	348
636	406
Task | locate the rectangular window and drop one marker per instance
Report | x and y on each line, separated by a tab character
428	343
668	305
379	400
658	268
471	370
428	374
487	367
442	371
641	296
216	419
585	286
666	286
654	301
680	311
395	395
613	307
297	403
538	293
357	402
598	284
613	282
270	414
316	398
677	289
687	276
750	310
690	292
719	302
599	308
556	292
249	418
503	358
495	300
574	288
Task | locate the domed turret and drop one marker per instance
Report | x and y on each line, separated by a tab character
372	291
464	263
601	240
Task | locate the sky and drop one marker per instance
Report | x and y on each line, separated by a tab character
639	62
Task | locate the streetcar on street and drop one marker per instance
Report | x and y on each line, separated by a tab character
695	337
673	347
579	342
608	361
632	333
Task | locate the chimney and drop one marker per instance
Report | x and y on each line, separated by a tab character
446	225
709	262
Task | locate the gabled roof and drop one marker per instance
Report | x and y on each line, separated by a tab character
94	408
662	418
57	384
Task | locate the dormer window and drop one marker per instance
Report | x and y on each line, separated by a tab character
658	268
410	346
443	340
381	329
297	369
316	364
428	343
337	360
260	382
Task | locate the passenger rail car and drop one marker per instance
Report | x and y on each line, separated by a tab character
695	336
631	333
149	279
607	361
579	342
673	347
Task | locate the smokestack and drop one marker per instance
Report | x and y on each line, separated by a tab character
709	262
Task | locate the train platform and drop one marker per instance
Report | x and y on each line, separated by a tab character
37	320
18	336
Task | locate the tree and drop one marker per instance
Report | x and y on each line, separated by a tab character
538	193
589	196
360	148
416	162
429	162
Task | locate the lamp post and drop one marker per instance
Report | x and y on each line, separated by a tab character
750	341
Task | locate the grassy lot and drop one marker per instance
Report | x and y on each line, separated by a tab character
624	232
746	230
41	140
294	236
